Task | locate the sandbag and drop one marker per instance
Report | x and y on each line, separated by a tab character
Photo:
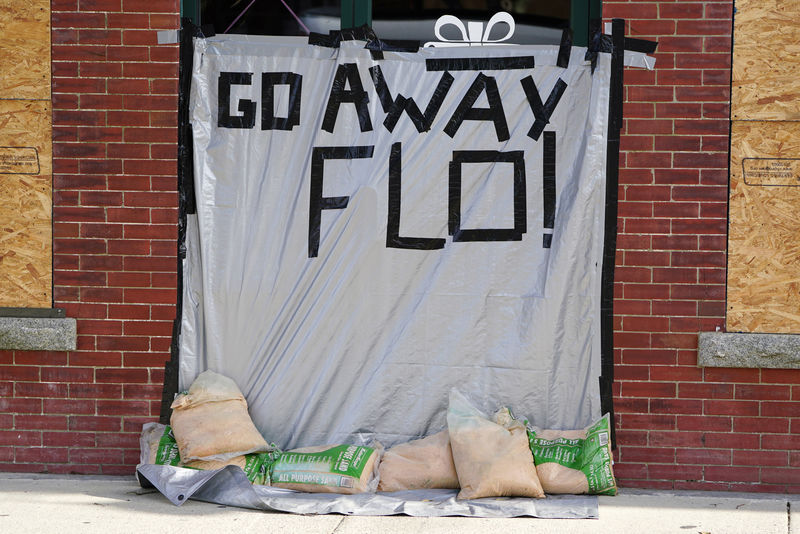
344	469
574	461
210	421
158	446
418	464
490	459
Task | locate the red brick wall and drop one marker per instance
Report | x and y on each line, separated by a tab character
115	217
115	209
682	426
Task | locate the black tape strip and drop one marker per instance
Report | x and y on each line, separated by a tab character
268	82
320	39
494	113
640	45
610	241
356	95
549	184
317	202
479	63
393	237
186	205
394	107
565	49
541	111
460	157
247	108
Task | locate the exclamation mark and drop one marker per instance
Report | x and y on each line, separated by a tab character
549	187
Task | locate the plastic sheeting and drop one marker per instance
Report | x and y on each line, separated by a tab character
229	486
353	256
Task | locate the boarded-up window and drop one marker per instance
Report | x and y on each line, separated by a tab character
764	225
25	155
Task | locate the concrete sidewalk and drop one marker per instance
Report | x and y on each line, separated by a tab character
66	504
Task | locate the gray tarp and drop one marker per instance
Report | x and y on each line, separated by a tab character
364	340
230	486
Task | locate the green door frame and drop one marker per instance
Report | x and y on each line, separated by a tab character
356	13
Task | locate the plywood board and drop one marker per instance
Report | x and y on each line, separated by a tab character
765	81
25	204
25	49
764	228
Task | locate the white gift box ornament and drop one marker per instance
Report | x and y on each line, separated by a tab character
472	34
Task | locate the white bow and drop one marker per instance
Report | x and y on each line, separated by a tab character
472	34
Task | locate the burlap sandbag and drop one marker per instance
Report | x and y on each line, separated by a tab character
418	464
346	469
210	422
491	460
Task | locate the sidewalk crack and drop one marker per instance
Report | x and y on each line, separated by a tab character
339	524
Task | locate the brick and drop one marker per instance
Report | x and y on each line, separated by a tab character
677	143
677	373
101	263
114	440
731	474
122	407
40	422
122	376
699	226
100	70
152	199
101	230
648	389
110	343
646	225
128	53
648	357
780	376
128	118
39	389
676	209
699	259
96	359
728	407
44	454
778	441
675	439
763	392
703	456
695	160
649	422
142	391
98	36
101	198
723	374
703	27
21	406
69	406
624	373
713	93
67	374
761	424
774	475
780	409
644	126
96	456
18	372
68	439
647	454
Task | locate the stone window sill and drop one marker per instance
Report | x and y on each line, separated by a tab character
731	349
37	329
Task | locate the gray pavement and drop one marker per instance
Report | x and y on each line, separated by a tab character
66	504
